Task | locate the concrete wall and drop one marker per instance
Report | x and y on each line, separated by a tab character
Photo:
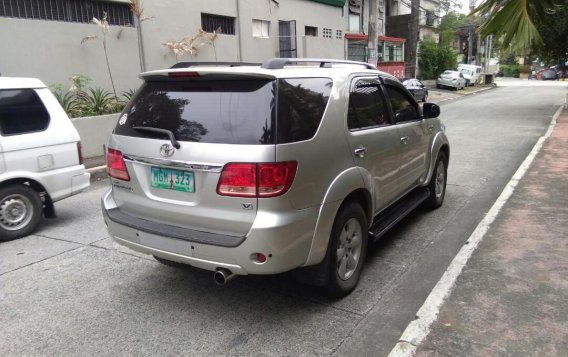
171	25
52	52
95	132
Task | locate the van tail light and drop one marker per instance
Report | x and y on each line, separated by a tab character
257	180
116	167
80	152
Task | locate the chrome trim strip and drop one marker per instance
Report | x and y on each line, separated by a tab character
173	163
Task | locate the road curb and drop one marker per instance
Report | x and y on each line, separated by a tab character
97	173
468	94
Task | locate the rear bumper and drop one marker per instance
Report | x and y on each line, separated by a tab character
284	238
447	83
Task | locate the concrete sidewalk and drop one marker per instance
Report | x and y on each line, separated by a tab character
511	298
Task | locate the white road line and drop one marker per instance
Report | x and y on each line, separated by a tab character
418	329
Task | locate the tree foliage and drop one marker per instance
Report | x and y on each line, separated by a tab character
449	25
553	29
435	59
514	20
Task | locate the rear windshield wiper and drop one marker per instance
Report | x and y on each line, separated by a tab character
166	132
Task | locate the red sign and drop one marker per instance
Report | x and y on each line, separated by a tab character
394	68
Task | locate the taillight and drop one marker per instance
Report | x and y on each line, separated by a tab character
80	152
256	180
116	167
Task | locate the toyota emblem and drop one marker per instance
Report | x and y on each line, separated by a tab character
167	150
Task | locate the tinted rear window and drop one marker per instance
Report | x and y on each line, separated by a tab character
229	112
21	112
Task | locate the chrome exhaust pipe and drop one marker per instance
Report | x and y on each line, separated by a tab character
222	276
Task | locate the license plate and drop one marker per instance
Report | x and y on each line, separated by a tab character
171	179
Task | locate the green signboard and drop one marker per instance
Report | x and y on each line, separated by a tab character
339	3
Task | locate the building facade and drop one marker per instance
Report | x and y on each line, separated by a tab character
44	38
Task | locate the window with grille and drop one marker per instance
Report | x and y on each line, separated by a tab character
260	28
219	24
327	33
68	10
311	31
338	34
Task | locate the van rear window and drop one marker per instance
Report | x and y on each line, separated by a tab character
22	112
228	111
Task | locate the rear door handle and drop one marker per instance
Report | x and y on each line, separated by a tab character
404	139
360	151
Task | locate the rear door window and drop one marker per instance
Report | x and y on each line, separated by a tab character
22	112
366	106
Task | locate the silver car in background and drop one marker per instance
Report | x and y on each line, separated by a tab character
295	164
452	79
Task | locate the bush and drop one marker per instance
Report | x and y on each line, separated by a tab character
510	70
434	60
80	101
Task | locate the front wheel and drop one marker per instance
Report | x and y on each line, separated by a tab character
20	211
437	185
425	98
347	250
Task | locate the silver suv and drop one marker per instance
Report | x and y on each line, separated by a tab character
295	164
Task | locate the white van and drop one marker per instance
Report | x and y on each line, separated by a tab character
470	72
40	156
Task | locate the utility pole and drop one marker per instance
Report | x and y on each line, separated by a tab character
413	37
372	54
470	33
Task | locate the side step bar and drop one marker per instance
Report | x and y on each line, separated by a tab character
387	219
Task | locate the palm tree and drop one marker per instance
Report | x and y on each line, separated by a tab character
514	20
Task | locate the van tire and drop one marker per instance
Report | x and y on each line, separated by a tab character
20	211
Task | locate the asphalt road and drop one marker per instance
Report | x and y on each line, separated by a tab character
69	290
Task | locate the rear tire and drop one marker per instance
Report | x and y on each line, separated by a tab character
20	211
437	185
347	249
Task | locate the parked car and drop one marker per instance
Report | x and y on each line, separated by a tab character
470	72
260	169
548	75
452	79
414	86
40	156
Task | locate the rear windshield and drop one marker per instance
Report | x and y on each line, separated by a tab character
229	112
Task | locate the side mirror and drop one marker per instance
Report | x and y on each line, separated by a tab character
430	110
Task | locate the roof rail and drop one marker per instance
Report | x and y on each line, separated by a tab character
194	64
279	63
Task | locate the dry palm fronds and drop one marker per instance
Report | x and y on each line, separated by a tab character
191	45
103	23
138	10
85	39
